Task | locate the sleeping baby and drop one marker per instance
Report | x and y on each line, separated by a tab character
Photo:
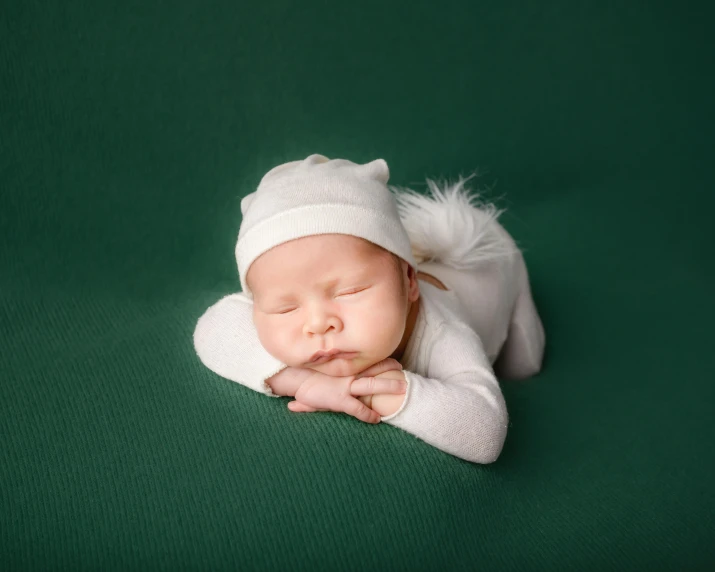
378	302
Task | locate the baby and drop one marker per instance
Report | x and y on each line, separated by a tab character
380	303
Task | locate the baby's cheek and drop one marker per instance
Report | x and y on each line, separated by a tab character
274	339
288	348
383	329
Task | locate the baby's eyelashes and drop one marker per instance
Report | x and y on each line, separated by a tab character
351	291
285	310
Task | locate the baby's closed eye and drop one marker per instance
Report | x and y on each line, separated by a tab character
351	291
285	310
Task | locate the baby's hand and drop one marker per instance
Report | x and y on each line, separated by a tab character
383	366
287	381
384	403
321	392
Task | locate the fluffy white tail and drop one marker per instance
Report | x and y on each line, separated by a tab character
451	225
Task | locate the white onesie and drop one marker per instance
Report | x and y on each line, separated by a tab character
453	399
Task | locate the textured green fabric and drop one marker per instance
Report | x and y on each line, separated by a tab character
129	132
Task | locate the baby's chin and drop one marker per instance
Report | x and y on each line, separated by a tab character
342	367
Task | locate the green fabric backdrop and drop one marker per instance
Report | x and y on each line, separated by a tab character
129	133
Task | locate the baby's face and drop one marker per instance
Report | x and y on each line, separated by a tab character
331	292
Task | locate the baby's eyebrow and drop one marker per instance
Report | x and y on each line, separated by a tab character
282	297
290	296
327	284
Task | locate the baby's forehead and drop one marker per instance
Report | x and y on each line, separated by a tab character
348	264
317	258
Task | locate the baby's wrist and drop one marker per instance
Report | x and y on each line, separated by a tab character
386	403
287	381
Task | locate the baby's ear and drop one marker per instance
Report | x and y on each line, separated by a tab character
413	285
376	169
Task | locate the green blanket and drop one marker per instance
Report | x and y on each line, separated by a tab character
129	131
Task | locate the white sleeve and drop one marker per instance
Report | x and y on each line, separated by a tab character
227	343
458	407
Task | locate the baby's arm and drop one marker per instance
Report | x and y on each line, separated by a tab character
227	342
458	406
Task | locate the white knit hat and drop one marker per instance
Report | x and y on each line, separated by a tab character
320	196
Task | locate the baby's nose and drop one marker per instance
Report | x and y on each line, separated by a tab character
321	321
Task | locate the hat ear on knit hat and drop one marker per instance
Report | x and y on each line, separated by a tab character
320	196
377	170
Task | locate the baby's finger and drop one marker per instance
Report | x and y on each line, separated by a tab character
388	364
298	407
360	411
373	385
